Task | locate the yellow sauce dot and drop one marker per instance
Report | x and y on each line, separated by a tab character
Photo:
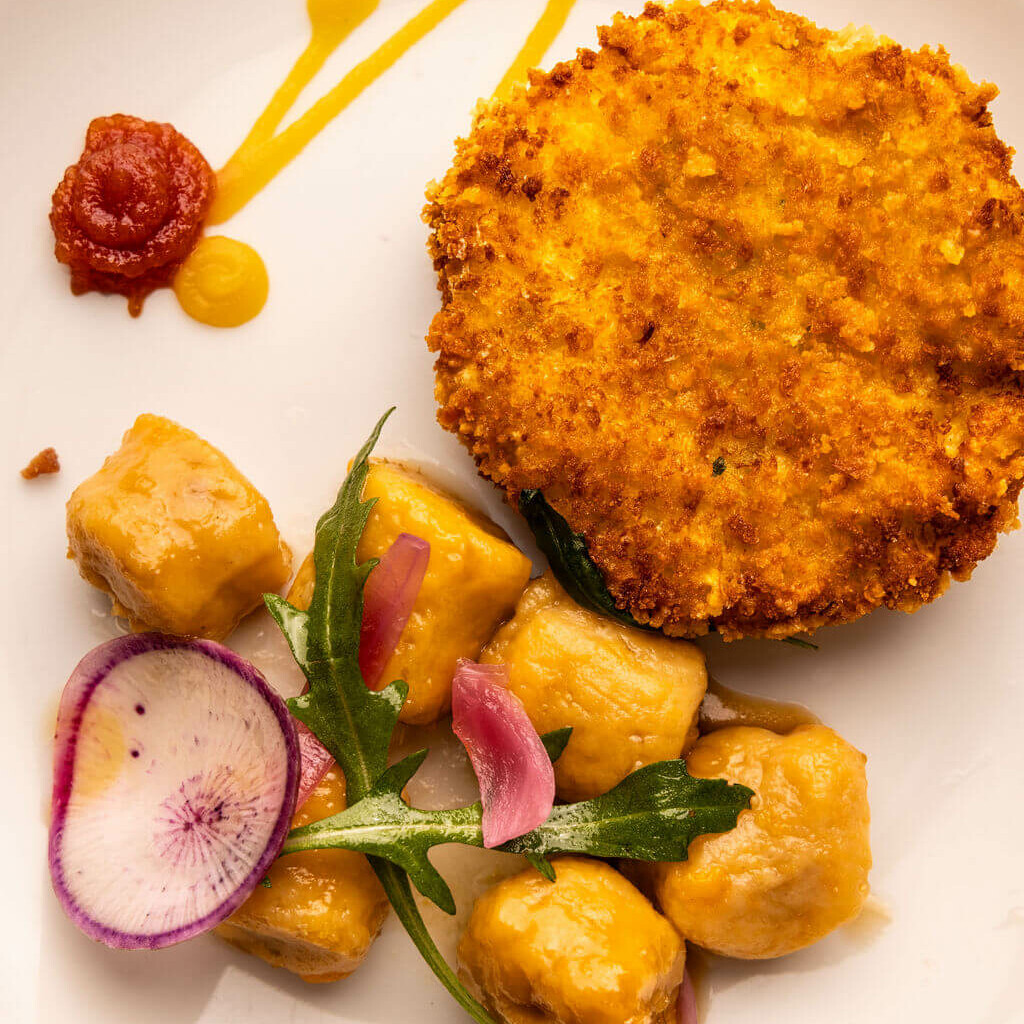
222	282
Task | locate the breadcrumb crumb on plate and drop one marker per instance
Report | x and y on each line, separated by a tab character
743	298
42	464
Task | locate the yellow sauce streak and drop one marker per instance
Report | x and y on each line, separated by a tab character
723	708
332	22
536	45
263	156
222	283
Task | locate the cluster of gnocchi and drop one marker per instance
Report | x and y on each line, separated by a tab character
185	544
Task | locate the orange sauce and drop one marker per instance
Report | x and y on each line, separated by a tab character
332	21
724	707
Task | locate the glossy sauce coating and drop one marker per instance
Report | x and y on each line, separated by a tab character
724	707
796	865
586	949
631	697
473	580
127	214
178	537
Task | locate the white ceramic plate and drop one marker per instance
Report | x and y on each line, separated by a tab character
936	700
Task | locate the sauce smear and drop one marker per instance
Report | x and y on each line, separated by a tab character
723	708
263	155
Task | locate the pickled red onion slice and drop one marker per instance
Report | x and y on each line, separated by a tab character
388	598
517	782
687	1001
314	762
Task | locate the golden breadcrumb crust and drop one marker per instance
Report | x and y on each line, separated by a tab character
745	299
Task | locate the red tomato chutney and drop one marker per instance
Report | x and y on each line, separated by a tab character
131	209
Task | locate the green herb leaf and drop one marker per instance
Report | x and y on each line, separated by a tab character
384	825
542	864
795	641
396	886
653	814
718	466
566	552
353	722
556	741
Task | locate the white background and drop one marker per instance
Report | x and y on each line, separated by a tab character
935	699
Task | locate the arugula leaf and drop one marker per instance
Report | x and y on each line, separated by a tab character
382	824
653	814
566	552
556	741
353	722
795	641
542	864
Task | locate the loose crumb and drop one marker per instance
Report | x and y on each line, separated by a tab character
44	463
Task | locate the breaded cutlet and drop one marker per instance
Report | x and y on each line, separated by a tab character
744	298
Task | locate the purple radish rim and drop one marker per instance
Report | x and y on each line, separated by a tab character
88	674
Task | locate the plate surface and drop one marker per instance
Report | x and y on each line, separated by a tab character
935	700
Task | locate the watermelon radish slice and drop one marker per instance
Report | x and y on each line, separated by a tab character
175	775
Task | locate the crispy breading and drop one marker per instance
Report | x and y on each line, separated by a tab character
731	237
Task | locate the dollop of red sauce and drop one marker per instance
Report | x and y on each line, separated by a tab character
131	209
